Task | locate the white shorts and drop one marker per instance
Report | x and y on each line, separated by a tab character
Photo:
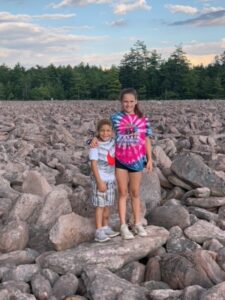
102	199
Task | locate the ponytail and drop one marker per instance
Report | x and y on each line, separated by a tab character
137	111
132	91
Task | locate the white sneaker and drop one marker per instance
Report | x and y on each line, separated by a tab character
126	233
100	236
139	230
111	233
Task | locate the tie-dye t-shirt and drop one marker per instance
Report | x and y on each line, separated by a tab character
131	131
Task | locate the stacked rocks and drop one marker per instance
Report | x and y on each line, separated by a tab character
46	218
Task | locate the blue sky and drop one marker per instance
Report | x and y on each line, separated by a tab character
100	32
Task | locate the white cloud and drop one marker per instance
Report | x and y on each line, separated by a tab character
54	16
117	23
197	52
8	17
128	6
182	9
211	9
119	6
31	44
206	1
66	3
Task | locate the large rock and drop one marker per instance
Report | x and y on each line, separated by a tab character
71	230
56	204
26	208
133	272
14	236
203	230
21	272
177	243
207	202
189	268
169	216
163	161
191	168
192	292
41	287
150	191
65	286
215	293
112	255
6	191
5	206
102	284
18	257
35	184
202	213
165	294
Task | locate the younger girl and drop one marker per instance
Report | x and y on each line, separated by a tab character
133	153
103	179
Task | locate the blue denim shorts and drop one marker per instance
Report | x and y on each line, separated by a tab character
119	165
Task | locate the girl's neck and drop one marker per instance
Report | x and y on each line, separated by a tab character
128	113
102	141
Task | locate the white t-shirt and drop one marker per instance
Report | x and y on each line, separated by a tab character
105	156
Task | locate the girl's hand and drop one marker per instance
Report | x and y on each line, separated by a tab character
149	166
94	143
102	186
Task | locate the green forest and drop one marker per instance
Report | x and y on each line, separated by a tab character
146	71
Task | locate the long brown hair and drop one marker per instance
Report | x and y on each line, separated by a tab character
132	91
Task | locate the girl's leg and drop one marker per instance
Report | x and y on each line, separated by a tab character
100	235
135	182
99	217
122	182
105	218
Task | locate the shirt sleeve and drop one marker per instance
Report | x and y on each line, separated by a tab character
148	128
93	154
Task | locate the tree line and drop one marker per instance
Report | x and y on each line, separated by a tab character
146	71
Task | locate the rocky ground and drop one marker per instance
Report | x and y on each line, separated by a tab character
46	218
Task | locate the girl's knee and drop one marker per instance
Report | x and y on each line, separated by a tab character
134	193
123	194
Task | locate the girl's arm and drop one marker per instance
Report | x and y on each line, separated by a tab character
100	184
148	154
94	142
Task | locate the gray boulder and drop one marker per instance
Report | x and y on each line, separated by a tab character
112	255
102	284
191	168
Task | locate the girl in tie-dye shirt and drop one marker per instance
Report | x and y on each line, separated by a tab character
133	153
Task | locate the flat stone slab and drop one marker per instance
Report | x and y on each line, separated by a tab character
111	255
192	169
202	230
205	202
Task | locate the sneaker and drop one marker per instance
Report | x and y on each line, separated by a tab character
139	230
126	233
109	232
100	236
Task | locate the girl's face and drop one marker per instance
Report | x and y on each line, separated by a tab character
128	103
105	133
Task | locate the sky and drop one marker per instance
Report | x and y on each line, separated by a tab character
101	32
